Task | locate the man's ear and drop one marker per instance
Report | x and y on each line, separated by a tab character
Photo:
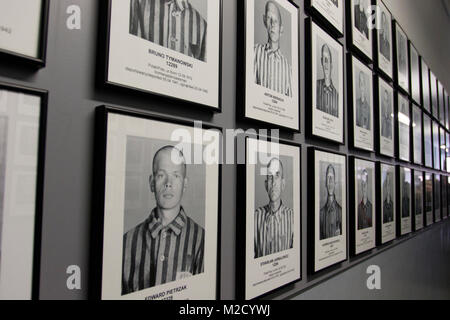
151	182
281	30
264	20
266	185
185	184
283	184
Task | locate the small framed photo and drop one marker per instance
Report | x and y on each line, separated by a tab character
386	119
359	33
428	140
384	55
404	127
442	148
158	208
269	56
401	61
425	84
444	196
418	195
272	232
363	208
24	26
434	95
437	197
330	13
428	199
328	209
23	115
414	73
361	115
441	103
417	134
386	221
405	205
325	89
436	147
166	48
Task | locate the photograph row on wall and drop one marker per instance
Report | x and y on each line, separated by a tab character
159	212
174	49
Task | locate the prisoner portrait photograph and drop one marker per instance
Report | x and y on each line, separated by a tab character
417	134
384	35
179	25
418	194
327	83
274	214
406	189
272	50
402	59
360	15
363	99
164	219
388	196
364	198
387	115
404	128
330	200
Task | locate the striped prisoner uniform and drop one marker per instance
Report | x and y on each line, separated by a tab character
163	23
327	98
272	70
273	230
154	254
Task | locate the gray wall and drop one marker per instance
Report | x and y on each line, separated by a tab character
73	95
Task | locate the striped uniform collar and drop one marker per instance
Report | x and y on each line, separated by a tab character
269	51
155	226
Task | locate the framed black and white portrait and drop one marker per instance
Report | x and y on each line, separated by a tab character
384	39
447	182
442	148
434	95
330	13
363	208
362	129
386	227
427	141
325	88
447	151
417	134
437	197
269	62
425	77
418	195
328	208
23	114
272	216
167	48
23	30
436	147
441	103
428	199
414	73
444	193
158	202
401	54
359	25
404	127
405	204
447	110
386	118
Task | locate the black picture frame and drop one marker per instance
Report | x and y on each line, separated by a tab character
36	62
378	82
434	95
100	157
353	213
40	171
417	137
442	149
241	225
414	77
425	86
442	108
398	119
376	48
311	213
428	199
309	85
444	201
323	21
104	54
418	202
351	46
437	198
396	27
399	169
241	70
379	201
436	145
350	97
427	154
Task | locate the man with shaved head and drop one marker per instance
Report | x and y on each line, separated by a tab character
271	68
331	212
360	9
362	104
327	97
384	36
364	206
168	245
274	223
